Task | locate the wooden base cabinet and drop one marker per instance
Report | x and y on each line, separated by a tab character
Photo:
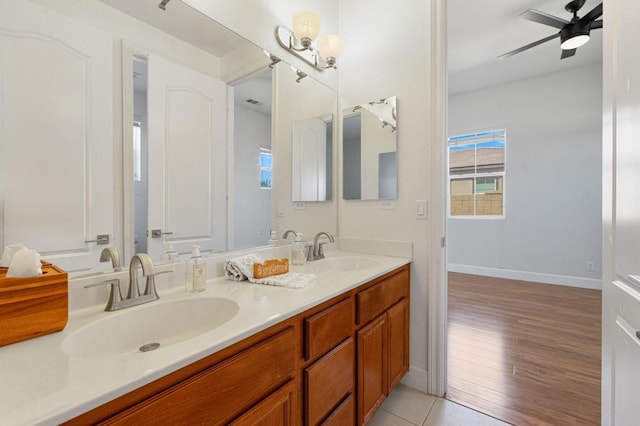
383	343
331	365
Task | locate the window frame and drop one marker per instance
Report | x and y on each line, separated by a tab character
477	138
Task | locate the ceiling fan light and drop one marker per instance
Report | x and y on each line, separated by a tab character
574	42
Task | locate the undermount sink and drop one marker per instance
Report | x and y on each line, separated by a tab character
344	264
148	327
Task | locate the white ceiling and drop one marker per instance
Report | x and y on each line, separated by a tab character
479	31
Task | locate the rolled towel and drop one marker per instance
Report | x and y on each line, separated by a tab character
25	263
241	267
8	253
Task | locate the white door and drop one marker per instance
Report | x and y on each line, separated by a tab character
187	158
56	144
309	160
621	201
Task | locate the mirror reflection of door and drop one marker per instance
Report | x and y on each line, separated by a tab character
140	153
185	135
252	161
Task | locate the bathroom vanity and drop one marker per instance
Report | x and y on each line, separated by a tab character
326	354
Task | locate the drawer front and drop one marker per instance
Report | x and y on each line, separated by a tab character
328	381
343	415
327	328
223	391
373	301
276	410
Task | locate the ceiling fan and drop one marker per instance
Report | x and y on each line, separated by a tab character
573	34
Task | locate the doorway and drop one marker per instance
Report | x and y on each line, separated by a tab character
554	168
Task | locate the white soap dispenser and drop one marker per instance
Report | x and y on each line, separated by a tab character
273	241
298	252
169	252
196	271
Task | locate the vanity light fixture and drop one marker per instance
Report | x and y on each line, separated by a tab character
299	41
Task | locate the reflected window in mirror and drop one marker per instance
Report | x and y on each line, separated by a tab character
266	168
369	149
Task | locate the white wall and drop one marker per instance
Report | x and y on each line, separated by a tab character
553	179
252	211
387	54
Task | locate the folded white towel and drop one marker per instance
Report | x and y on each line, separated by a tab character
241	268
290	279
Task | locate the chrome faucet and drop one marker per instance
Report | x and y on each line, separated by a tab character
111	254
317	251
134	298
287	232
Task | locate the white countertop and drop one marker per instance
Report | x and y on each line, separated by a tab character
40	384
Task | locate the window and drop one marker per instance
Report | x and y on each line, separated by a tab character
476	174
266	168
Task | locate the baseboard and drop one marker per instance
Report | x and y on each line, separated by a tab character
416	378
565	280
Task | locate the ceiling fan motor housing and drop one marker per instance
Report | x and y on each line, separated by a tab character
577	28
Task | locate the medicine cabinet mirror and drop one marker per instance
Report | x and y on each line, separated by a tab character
369	149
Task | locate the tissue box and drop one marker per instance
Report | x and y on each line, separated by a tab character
32	307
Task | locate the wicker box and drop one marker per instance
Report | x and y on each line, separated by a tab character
32	307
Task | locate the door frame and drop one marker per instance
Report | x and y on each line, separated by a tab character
437	290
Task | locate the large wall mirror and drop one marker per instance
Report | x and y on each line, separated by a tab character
191	95
369	148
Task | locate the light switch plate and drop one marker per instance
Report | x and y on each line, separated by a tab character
421	209
386	205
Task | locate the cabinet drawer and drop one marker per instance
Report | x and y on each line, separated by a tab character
328	381
343	415
277	409
327	328
373	301
223	391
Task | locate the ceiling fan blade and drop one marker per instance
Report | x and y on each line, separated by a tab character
529	46
596	24
567	53
595	13
543	18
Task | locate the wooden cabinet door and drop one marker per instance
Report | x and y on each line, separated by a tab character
398	349
372	368
276	410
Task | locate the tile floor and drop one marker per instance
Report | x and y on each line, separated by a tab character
409	407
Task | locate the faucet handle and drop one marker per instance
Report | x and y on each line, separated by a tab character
150	288
321	249
115	296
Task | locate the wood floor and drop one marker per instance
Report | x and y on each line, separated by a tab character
525	353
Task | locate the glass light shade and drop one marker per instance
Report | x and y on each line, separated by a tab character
306	25
574	42
330	46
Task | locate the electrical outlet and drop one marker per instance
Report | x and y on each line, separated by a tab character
299	205
591	266
386	205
